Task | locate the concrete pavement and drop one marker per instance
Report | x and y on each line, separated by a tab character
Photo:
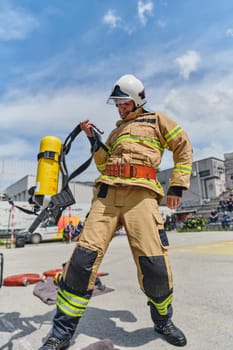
203	280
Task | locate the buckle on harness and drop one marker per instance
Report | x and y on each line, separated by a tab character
132	171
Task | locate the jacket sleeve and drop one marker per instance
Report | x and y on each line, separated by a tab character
101	156
177	141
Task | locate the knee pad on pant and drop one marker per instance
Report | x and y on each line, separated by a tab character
155	276
80	268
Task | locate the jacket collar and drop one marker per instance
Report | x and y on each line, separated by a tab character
130	116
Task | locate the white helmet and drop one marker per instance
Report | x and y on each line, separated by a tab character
128	87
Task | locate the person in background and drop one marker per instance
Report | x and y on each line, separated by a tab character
226	220
222	205
78	229
128	194
230	203
214	215
69	230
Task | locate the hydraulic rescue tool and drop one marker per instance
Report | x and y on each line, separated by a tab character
52	161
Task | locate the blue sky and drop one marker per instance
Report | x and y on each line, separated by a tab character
60	58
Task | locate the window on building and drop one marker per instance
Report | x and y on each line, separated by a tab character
204	173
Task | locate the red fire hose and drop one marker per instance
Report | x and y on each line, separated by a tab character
22	280
30	278
52	273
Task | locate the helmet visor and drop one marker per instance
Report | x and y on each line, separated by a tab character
118	95
119	101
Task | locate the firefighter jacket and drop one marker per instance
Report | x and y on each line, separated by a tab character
139	140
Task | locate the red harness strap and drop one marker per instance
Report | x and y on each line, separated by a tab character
130	170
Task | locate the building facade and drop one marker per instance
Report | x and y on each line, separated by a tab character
208	181
229	170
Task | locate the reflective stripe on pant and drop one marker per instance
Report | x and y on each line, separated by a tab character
70	308
136	208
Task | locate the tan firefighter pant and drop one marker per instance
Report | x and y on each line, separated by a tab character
136	209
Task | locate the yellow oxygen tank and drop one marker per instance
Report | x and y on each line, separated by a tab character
47	177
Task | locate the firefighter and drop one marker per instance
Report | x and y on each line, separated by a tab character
128	194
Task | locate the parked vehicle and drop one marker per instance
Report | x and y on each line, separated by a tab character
44	232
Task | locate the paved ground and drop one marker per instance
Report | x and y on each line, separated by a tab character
203	280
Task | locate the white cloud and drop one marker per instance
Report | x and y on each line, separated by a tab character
229	32
59	110
188	63
31	117
8	149
16	24
204	109
162	23
112	19
144	8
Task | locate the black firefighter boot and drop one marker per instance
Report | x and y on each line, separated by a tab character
172	334
54	343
